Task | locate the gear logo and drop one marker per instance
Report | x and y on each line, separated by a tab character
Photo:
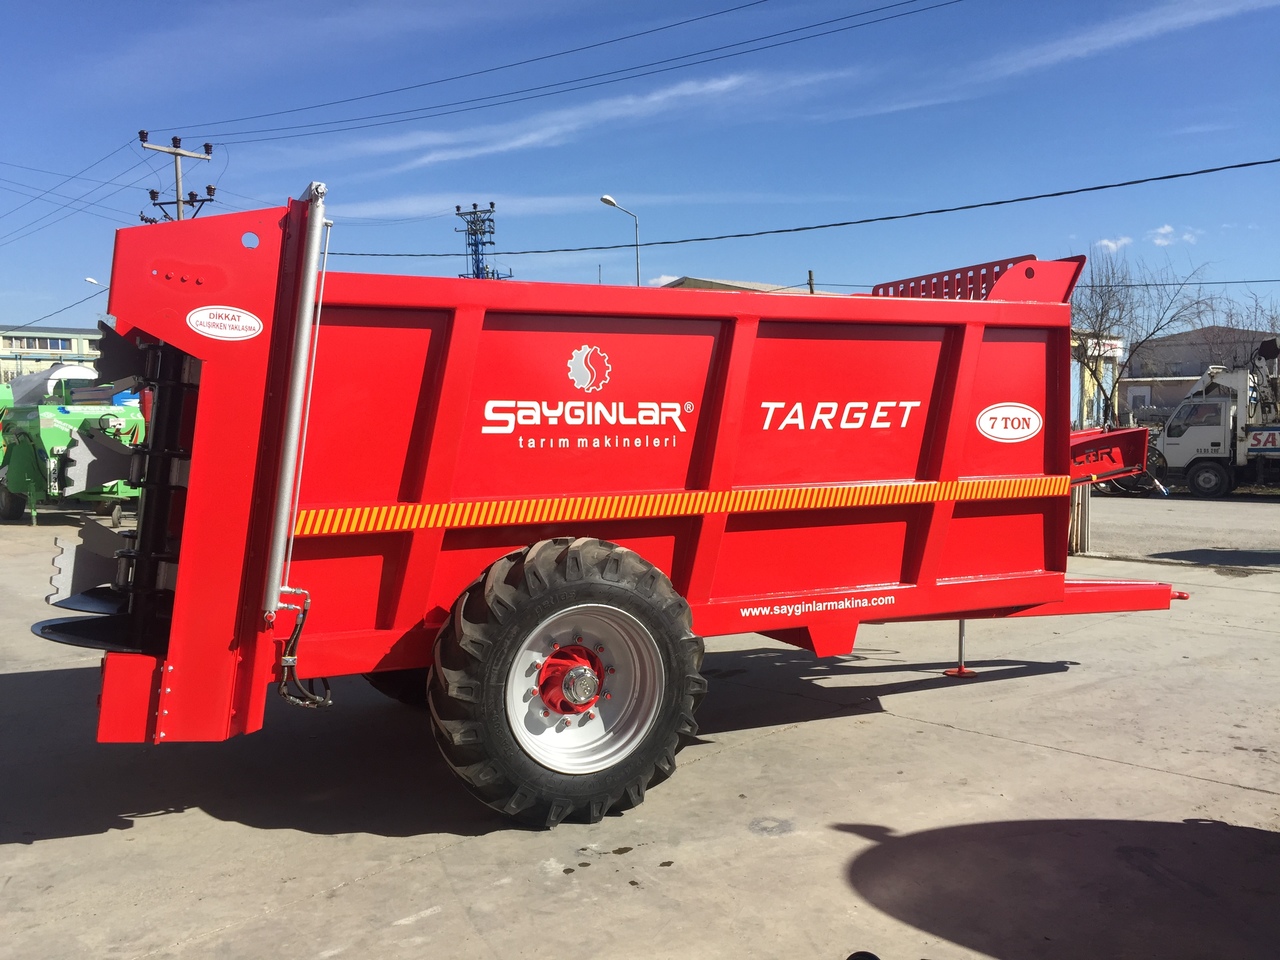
589	368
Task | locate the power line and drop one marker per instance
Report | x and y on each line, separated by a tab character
379	222
542	91
96	293
580	83
1101	286
856	223
260	202
1187	283
54	173
20	188
476	73
114	182
65	181
9	237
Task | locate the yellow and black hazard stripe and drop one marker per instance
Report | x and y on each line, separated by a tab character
495	513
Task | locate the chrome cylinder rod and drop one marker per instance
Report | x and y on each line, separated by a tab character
299	374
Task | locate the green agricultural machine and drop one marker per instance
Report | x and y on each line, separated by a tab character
6	402
66	444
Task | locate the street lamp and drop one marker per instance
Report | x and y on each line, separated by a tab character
94	282
609	201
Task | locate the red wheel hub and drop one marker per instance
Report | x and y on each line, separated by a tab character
571	679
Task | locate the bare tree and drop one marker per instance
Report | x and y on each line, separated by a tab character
1119	308
1262	316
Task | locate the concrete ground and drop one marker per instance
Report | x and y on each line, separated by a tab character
1239	530
1108	786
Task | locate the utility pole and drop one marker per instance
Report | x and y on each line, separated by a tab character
479	231
191	199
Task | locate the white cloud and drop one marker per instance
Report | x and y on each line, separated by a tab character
1120	32
1201	129
421	206
549	128
555	127
662	281
1111	246
976	79
954	94
436	204
1167	235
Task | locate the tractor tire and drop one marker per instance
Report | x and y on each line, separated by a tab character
565	681
12	505
407	686
1209	480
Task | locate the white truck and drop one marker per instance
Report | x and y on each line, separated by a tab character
1226	431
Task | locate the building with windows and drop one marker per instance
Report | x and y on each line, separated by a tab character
38	348
1095	363
1163	369
1191	352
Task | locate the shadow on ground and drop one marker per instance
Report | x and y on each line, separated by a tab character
366	765
1211	556
1067	889
55	518
769	686
1246	493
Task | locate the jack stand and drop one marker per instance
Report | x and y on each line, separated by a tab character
960	670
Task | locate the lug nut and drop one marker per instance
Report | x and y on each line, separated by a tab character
610	669
600	648
546	713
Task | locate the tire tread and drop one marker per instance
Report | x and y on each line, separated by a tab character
470	638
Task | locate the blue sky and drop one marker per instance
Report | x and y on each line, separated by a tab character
946	104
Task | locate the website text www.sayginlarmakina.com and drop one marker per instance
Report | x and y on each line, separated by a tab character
817	606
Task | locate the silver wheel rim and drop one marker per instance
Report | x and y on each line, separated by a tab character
620	717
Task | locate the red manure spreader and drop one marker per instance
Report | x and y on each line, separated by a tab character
524	504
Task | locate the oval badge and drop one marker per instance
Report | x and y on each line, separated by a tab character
224	323
1010	422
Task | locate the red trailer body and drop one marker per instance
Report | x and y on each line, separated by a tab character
794	465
